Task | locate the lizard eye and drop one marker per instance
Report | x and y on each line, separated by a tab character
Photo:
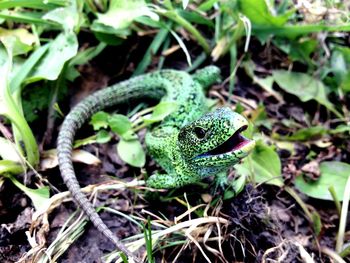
200	132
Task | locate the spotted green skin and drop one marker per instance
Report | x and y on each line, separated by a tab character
179	151
173	143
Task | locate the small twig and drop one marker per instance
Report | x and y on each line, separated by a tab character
329	252
300	202
343	216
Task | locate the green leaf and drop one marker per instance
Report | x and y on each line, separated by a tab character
160	111
303	49
265	83
39	196
293	31
305	134
342	128
30	17
332	174
120	124
62	48
20	75
103	136
99	120
9	109
121	13
10	167
299	49
258	12
263	165
69	16
345	84
196	18
235	187
260	118
36	4
21	38
304	87
340	63
108	34
207	5
85	141
86	55
131	152
8	151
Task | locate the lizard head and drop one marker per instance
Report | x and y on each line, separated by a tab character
215	140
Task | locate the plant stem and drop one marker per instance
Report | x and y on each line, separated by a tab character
343	216
173	15
332	255
335	199
300	202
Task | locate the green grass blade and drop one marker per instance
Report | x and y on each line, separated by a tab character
35	4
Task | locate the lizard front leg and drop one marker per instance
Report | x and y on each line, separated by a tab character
169	181
221	180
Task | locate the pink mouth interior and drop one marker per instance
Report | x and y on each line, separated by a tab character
235	142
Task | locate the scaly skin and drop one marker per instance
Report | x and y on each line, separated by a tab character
181	143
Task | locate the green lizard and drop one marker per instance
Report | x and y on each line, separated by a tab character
189	144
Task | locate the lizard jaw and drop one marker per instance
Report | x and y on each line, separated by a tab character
236	144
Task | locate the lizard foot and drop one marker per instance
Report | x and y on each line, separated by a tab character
162	181
221	181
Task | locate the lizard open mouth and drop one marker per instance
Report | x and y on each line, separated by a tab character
236	142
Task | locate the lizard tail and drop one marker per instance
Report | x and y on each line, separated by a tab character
104	98
207	76
64	149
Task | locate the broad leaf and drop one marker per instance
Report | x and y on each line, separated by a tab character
120	124
21	38
121	13
10	167
263	165
103	136
22	72
304	87
62	48
131	152
332	174
258	12
38	196
68	16
99	120
160	111
8	151
23	134
340	62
